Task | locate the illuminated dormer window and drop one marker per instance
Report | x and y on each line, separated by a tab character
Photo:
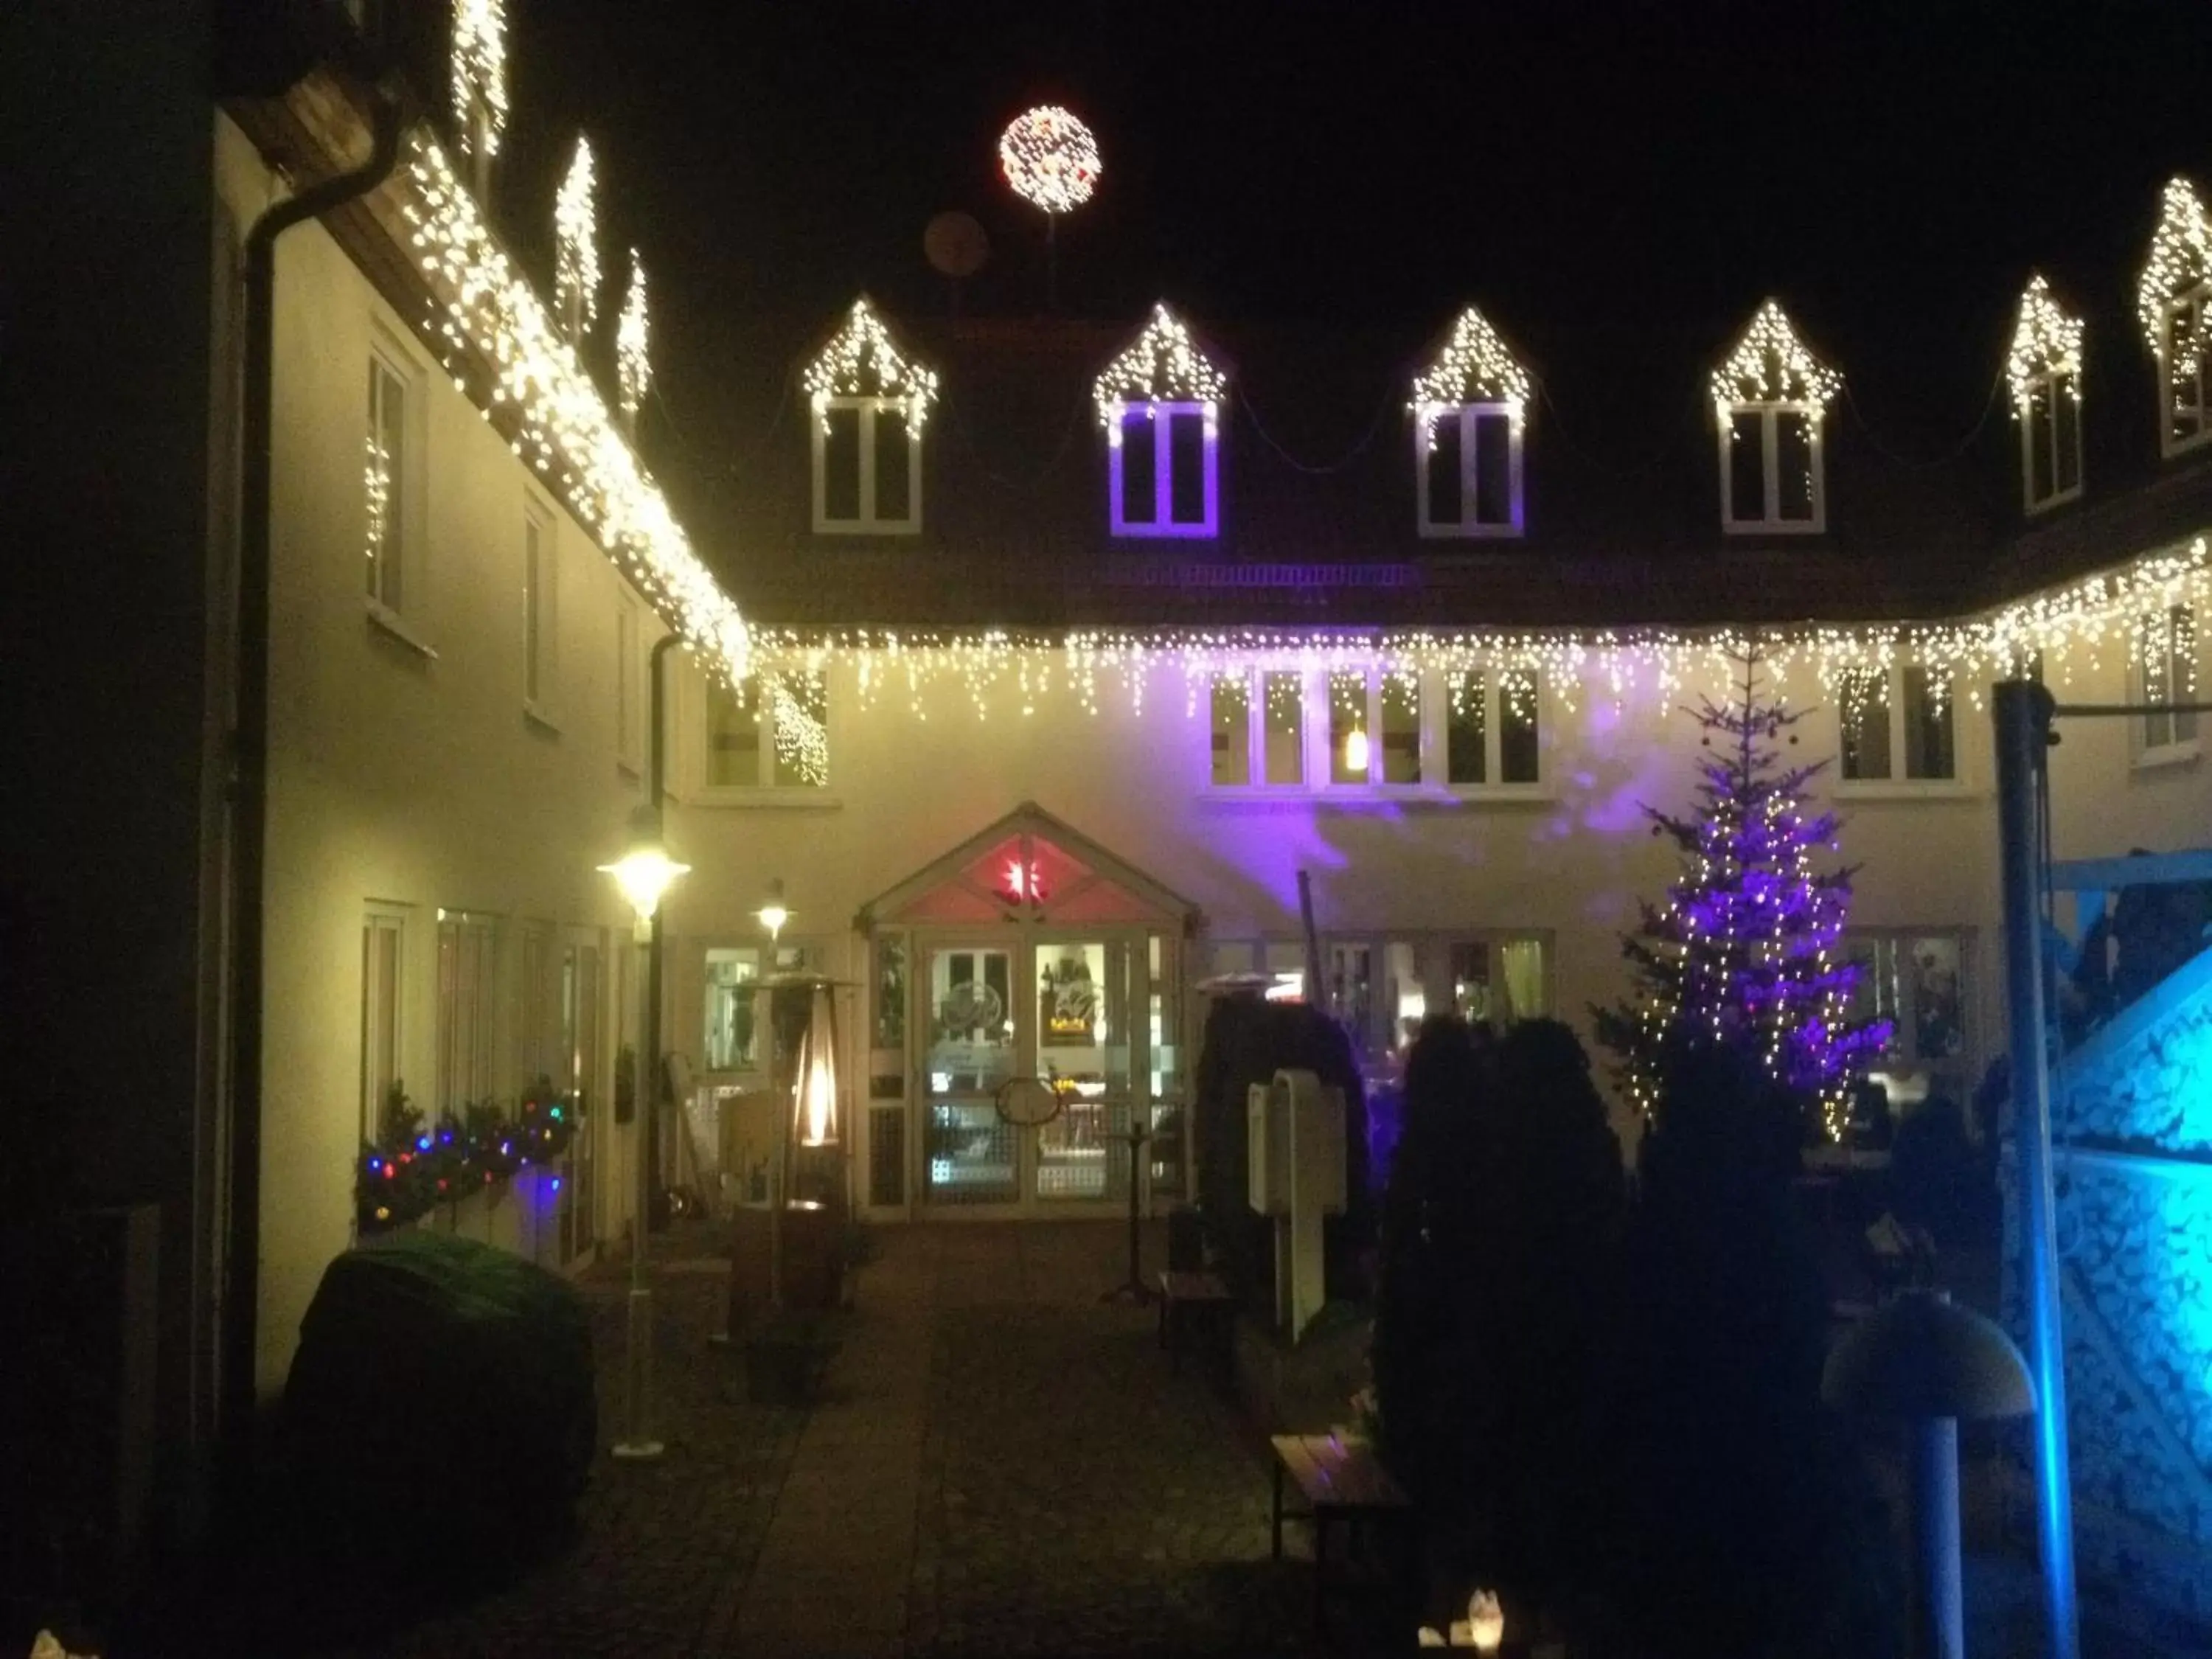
870	403
1160	402
2045	369
1768	399
1469	409
2173	300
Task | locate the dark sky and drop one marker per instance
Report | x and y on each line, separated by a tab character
1617	185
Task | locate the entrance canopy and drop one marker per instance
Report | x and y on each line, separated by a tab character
1029	866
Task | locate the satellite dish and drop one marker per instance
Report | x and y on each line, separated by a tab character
956	245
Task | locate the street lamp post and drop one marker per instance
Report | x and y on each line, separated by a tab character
644	873
772	914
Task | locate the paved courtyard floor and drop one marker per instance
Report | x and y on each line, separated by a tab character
1002	1465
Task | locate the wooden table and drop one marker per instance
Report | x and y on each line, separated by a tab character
1340	1480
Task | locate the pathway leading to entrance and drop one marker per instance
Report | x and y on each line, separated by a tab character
1003	1465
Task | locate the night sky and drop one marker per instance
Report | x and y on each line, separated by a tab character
1616	184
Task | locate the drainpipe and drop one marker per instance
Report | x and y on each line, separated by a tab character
250	763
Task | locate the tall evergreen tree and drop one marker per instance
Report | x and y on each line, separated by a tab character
1746	955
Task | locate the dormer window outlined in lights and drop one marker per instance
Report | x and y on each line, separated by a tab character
2174	301
870	402
1768	400
1470	407
1160	403
2045	369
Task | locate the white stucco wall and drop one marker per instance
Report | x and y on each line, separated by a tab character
412	777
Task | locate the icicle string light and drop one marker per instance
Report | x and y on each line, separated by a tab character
1474	368
2092	617
576	270
863	361
480	71
2047	343
633	342
2180	260
1771	365
483	307
1162	366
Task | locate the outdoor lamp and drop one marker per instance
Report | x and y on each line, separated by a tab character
772	913
646	871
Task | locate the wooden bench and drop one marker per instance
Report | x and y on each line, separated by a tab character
1343	1482
1182	1295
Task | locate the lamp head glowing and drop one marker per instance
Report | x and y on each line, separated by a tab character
773	913
646	871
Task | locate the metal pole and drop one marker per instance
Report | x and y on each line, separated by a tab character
1939	1615
638	1443
2021	711
656	784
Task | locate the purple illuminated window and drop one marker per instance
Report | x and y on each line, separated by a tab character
1163	464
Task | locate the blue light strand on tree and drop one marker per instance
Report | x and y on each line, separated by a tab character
1746	955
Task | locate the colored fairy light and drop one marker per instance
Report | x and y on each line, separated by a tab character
1474	368
863	361
2180	260
633	343
479	72
575	228
488	321
1771	365
1162	365
2046	344
1050	158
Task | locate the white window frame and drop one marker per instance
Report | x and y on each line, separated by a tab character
541	611
789	955
463	1078
867	522
629	707
1770	428
538	1006
1160	417
381	920
772	788
1895	781
2195	305
1318	744
2167	738
1469	417
1962	1068
2047	387
1494	784
399	604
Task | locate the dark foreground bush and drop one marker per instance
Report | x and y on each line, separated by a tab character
439	1419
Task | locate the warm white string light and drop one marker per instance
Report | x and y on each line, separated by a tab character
2046	344
2180	259
863	361
575	229
480	72
484	308
2082	621
633	343
1050	158
1771	365
802	741
1474	368
1162	365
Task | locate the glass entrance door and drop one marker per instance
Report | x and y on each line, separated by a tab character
970	1154
1084	1034
1051	1013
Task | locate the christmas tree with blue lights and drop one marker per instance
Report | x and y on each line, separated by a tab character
1747	955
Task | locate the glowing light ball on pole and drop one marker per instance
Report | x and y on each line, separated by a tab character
1051	160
